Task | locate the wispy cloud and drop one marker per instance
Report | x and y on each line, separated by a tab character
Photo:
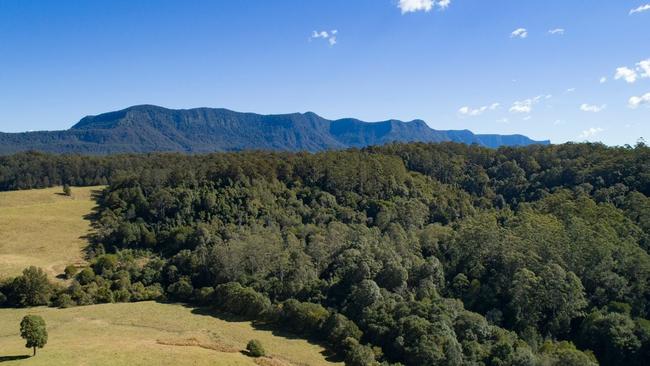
636	102
557	31
444	4
330	36
473	112
412	6
603	79
640	9
570	90
592	108
519	33
591	132
526	105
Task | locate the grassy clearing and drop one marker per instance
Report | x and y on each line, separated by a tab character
147	333
43	228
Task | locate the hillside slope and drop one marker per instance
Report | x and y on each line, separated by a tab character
149	128
44	228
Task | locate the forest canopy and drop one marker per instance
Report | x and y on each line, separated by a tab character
414	254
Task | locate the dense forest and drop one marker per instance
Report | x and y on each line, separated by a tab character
412	254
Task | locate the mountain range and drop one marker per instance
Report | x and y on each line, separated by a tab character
148	128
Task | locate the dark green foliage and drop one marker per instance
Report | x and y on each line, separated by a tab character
244	301
66	190
33	331
255	349
31	288
302	317
407	253
357	354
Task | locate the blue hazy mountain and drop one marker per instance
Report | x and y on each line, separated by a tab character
148	128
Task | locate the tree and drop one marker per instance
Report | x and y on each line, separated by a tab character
32	288
255	349
66	190
32	329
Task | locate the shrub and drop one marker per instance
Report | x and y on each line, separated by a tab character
86	276
255	349
182	289
338	328
236	299
303	317
64	301
70	271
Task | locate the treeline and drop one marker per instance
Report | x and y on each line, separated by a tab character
419	254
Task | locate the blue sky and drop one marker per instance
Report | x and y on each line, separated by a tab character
530	67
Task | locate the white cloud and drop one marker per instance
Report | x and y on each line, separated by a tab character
503	120
522	106
593	131
644	68
473	112
411	6
527	118
571	90
444	4
625	73
330	36
519	33
592	108
558	31
635	102
603	79
640	9
558	122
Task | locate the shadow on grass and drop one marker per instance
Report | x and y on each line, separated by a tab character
329	354
92	238
13	358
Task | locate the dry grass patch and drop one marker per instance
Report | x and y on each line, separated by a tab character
147	333
43	228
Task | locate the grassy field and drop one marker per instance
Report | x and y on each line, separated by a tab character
46	229
43	228
147	333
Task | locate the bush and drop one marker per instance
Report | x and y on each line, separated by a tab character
86	276
236	299
337	328
66	190
357	354
182	289
303	317
255	349
70	271
64	301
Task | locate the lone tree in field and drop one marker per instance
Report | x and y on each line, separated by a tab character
255	349
66	190
32	329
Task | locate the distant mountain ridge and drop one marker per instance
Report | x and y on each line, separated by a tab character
148	128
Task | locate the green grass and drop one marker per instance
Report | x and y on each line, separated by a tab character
46	229
147	333
43	228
